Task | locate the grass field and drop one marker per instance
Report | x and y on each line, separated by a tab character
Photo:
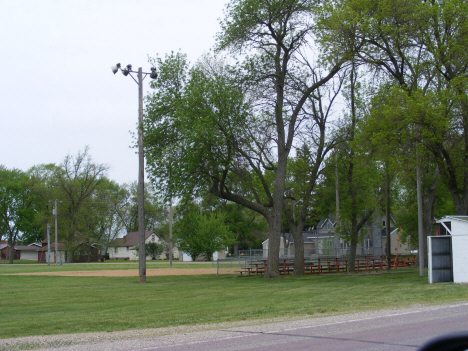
41	305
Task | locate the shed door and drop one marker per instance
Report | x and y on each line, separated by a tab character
440	259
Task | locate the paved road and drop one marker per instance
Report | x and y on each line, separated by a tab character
398	331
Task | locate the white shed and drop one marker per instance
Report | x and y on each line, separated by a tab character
451	254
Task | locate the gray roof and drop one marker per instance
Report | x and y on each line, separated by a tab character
27	247
330	218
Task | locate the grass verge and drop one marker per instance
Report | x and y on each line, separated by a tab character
42	305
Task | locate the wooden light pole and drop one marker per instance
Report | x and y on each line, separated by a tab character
141	165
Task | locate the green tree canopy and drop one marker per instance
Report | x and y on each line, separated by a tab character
198	233
19	208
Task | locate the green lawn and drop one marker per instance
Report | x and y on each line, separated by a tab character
18	262
37	305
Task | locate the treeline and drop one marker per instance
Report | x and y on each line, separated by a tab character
310	107
90	206
95	210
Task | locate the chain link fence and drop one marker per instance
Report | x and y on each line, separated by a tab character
253	261
309	253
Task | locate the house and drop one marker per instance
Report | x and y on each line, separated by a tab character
5	253
124	248
28	252
22	252
85	250
321	240
61	253
217	255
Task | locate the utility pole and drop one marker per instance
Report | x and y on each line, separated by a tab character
48	244
141	183
170	232
387	218
141	165
56	250
337	197
420	221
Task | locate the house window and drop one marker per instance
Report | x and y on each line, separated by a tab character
153	238
368	243
116	250
344	244
328	225
128	248
383	224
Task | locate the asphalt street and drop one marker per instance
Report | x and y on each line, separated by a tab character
398	331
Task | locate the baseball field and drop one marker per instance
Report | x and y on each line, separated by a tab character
80	298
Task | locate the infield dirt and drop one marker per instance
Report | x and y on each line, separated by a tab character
131	272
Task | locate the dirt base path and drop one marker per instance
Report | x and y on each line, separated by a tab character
132	272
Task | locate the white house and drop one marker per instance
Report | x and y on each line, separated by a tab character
22	252
28	252
124	248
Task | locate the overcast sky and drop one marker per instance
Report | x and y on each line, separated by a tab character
57	91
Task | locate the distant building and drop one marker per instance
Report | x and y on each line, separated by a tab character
124	248
322	240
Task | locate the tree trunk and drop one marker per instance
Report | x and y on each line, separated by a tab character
298	254
420	261
12	253
275	216
12	243
296	231
89	252
387	220
235	248
352	253
429	201
274	236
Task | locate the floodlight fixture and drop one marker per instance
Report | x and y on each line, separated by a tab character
115	68
153	74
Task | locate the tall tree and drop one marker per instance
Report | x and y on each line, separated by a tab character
78	178
401	124
445	34
236	128
360	174
100	214
305	169
418	45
